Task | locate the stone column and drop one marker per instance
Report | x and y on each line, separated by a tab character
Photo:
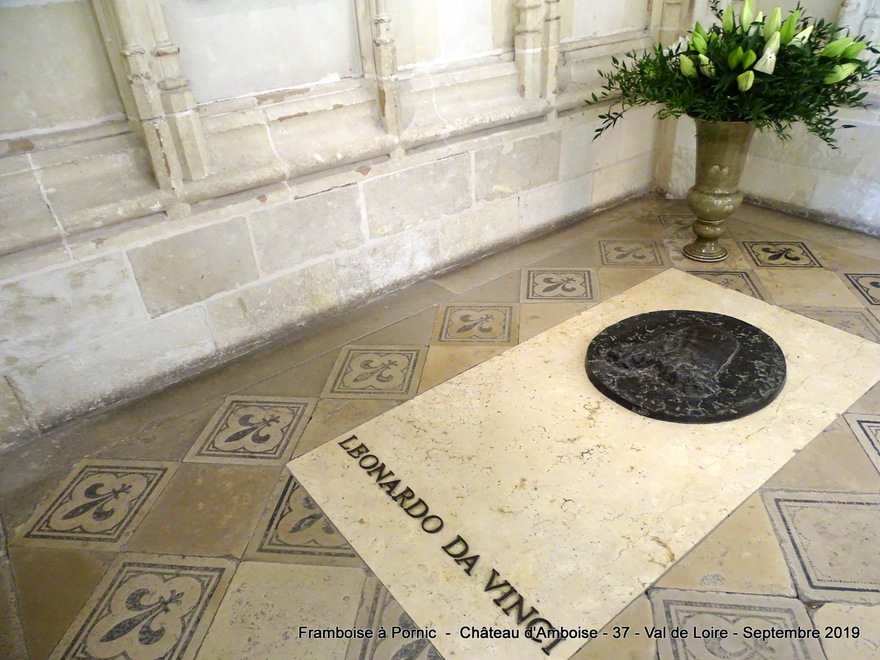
551	51
528	47
385	63
157	99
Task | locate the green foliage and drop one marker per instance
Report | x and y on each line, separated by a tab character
802	84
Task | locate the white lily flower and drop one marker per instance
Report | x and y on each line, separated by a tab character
768	60
801	37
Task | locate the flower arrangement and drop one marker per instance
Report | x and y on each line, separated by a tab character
751	68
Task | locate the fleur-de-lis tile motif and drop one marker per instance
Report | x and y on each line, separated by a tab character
733	613
779	254
476	323
677	222
298	527
630	253
867	284
562	284
252	430
98	503
376	371
147	608
730	279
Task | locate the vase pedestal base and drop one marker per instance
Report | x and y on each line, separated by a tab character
706	251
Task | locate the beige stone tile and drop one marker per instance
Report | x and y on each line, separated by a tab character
866	287
305	379
12	637
56	310
869	402
631	253
835	258
621	641
504	289
376	372
53	584
398	201
444	362
414	330
253	430
810	526
857	321
206	510
477	323
832	461
536	318
27	261
181	593
838	623
295	232
270	608
190	267
613	281
333	417
98	506
580	250
741	281
867	431
504	170
558	284
814	287
741	555
294	530
25	219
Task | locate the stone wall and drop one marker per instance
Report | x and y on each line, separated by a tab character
185	213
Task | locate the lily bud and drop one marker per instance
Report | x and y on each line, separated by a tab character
687	67
749	58
836	47
735	58
772	45
800	39
773	22
700	30
840	72
746	14
852	51
768	60
699	42
786	31
745	81
756	23
706	66
727	19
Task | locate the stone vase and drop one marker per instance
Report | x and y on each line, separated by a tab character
721	157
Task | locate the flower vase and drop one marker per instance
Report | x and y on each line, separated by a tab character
721	157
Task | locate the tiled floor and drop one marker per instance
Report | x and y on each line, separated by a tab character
170	528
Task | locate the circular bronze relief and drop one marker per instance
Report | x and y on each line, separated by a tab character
686	366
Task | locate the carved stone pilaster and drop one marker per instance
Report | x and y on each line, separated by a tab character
157	98
385	60
550	62
529	47
676	18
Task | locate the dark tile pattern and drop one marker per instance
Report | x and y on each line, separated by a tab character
297	528
735	280
867	284
857	322
98	503
708	611
148	608
867	431
781	254
488	324
389	372
630	253
811	527
677	222
557	284
253	429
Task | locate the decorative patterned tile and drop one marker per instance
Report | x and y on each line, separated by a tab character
294	529
829	541
717	626
781	254
856	321
867	432
479	323
677	222
867	284
380	611
630	253
735	280
148	607
99	505
377	372
557	285
253	430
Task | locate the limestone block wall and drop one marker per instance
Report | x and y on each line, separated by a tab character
238	184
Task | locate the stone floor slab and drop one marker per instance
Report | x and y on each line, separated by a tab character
867	431
376	372
857	321
504	483
849	631
868	286
270	609
477	323
806	287
830	542
706	616
735	280
558	285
